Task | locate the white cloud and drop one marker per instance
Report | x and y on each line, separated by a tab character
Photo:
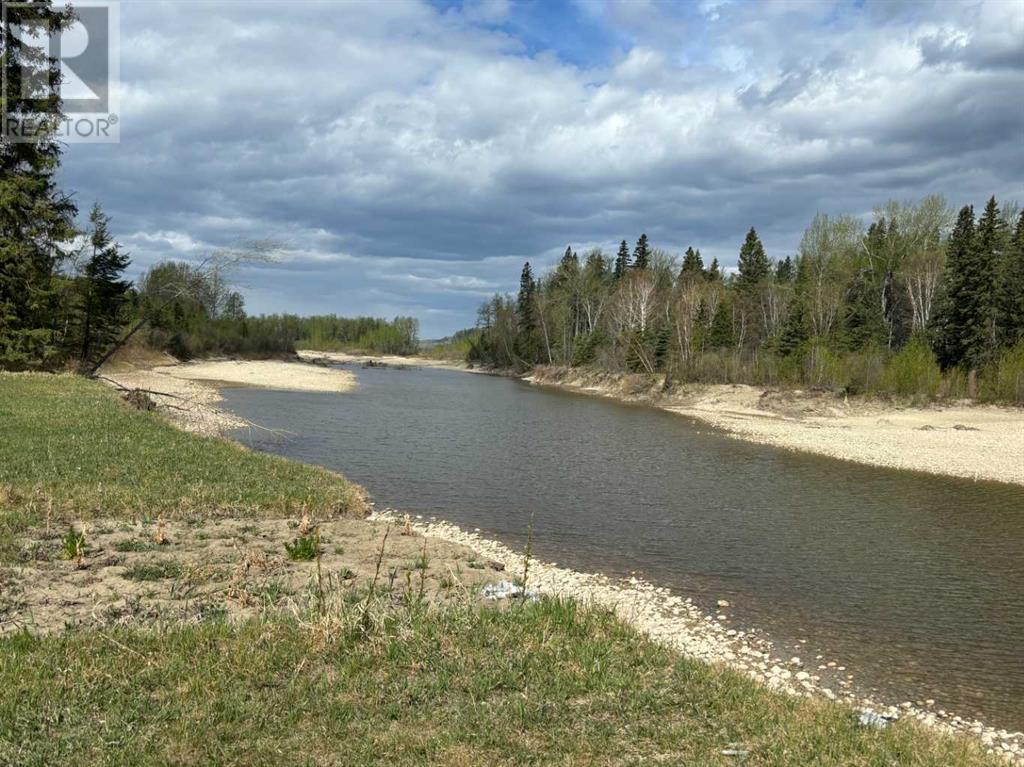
430	151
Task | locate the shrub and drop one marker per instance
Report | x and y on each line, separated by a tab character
303	549
73	544
913	371
1004	380
823	367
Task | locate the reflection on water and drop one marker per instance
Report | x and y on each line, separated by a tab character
915	582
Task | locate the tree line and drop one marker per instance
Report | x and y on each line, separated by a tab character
64	299
922	301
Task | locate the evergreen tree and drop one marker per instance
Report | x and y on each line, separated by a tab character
794	331
991	243
961	312
1010	291
526	313
104	292
785	272
568	268
863	324
36	219
714	272
526	342
693	267
754	267
641	253
621	260
662	345
720	334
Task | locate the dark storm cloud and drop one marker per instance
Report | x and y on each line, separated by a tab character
412	157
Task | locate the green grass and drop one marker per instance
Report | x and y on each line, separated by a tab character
543	684
73	450
156	571
303	549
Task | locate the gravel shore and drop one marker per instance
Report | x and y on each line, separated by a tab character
678	622
188	392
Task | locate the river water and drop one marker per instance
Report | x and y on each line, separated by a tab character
915	583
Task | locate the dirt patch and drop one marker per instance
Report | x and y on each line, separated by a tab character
150	572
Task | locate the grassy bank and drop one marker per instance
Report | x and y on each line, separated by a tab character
545	683
394	679
72	450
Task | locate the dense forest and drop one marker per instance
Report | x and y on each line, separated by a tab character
64	299
922	301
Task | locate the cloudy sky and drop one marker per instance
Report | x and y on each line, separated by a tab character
412	155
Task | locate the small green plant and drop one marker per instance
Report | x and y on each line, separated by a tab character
153	572
73	544
269	593
302	549
422	562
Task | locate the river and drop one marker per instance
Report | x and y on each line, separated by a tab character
915	583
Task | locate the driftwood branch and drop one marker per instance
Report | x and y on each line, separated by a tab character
197	406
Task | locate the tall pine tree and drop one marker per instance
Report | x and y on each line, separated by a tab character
1010	292
526	316
961	312
714	272
641	253
693	267
754	267
621	260
991	242
104	293
785	272
36	218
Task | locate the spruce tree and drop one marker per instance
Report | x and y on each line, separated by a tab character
641	253
991	242
104	292
794	331
785	272
693	267
526	317
754	267
621	260
36	218
1010	292
957	317
714	272
526	320
720	334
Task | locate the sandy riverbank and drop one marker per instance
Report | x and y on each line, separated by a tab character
387	360
968	441
188	391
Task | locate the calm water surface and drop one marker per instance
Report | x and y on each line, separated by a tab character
915	583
